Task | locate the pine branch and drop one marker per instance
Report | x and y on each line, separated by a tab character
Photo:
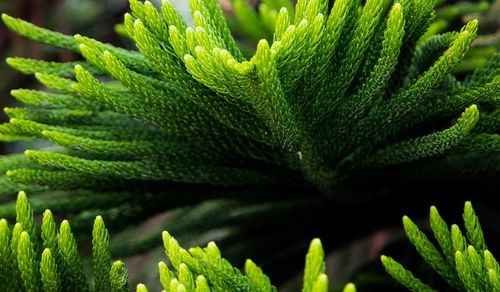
466	267
333	95
196	269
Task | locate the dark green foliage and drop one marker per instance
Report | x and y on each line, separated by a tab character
197	111
331	96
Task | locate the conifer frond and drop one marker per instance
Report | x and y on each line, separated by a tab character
331	94
101	256
71	265
26	261
403	276
191	82
473	228
430	145
468	265
50	100
59	268
43	35
118	277
315	268
257	277
31	66
48	272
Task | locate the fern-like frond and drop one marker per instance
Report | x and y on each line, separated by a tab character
59	268
466	265
330	96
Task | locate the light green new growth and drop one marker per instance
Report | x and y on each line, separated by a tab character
257	277
327	93
442	234
473	228
403	276
49	272
315	267
27	264
216	274
24	216
101	256
118	277
71	265
263	110
429	252
465	266
58	267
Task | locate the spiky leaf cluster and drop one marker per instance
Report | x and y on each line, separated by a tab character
329	95
335	91
462	260
203	269
487	43
50	262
